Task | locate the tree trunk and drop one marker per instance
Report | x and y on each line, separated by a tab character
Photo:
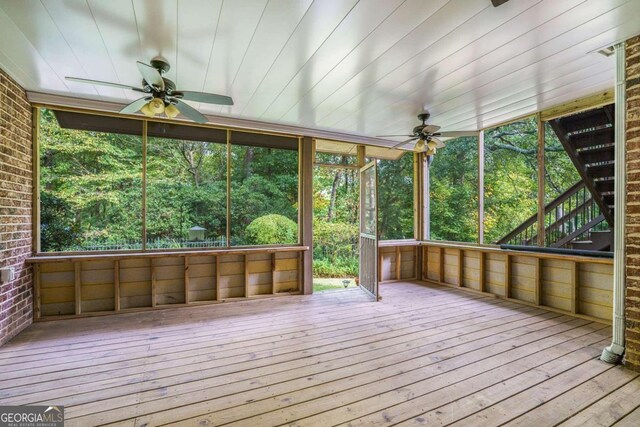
248	158
332	200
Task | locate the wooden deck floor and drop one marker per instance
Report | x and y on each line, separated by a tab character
424	355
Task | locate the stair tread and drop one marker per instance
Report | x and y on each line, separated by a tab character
602	164
596	148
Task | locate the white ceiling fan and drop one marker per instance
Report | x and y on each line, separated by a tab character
161	95
426	136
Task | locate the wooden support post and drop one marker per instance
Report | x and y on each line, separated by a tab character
228	225
116	285
218	298
507	276
307	156
416	262
575	286
153	283
417	202
144	185
186	279
246	276
425	197
460	267
481	187
37	310
398	263
541	181
441	266
273	273
78	290
538	284
483	278
35	182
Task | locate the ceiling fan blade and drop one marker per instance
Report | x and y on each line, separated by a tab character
458	134
405	142
101	83
191	113
430	129
497	3
390	136
439	143
135	105
150	75
209	98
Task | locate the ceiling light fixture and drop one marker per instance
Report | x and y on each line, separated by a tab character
171	111
156	106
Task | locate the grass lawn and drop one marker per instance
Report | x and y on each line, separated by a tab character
327	284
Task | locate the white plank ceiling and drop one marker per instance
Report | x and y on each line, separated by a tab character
362	67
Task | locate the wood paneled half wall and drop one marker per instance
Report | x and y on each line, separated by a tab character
89	285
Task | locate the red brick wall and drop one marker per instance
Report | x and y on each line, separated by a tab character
632	232
16	297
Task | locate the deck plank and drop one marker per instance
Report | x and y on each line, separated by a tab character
424	355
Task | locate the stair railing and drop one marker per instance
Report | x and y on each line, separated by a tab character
565	218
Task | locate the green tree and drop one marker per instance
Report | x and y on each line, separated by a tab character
272	229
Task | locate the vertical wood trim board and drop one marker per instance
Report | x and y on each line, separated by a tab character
460	267
78	292
186	280
116	285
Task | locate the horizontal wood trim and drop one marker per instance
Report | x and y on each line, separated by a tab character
159	254
394	243
498	250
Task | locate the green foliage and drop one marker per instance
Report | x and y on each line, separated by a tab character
510	189
263	181
91	186
334	239
335	267
454	191
272	229
395	198
57	226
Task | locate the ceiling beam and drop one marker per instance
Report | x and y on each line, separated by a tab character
49	100
576	106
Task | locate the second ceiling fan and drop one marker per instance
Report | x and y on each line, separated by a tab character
160	94
426	136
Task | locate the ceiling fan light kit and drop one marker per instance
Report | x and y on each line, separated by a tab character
171	111
426	136
161	95
156	105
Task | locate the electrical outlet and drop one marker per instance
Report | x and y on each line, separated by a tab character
7	274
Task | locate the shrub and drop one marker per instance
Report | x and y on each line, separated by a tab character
334	239
335	267
272	229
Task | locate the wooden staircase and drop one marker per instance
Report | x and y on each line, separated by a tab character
588	139
581	217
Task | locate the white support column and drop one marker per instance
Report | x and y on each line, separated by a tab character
426	196
481	187
614	352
